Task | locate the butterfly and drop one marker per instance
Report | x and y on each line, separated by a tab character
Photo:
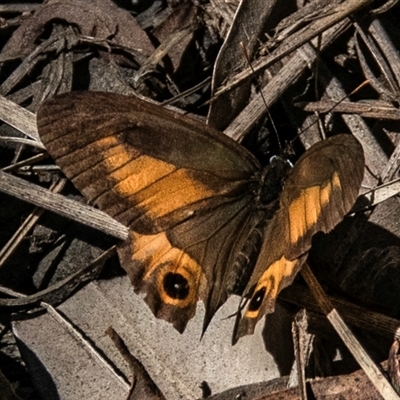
205	219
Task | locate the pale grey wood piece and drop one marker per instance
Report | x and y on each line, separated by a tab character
177	363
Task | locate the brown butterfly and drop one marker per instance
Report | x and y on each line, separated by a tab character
205	219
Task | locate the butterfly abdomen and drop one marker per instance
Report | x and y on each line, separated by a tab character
246	258
270	183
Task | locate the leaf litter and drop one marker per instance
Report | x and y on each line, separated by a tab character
303	60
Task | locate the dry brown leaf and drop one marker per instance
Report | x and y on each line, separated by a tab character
101	19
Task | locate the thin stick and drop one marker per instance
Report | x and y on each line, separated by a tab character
374	374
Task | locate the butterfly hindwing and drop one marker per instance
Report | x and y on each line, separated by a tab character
185	191
203	258
318	192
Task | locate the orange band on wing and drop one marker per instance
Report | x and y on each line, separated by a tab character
273	280
142	179
159	257
133	175
179	190
305	210
140	173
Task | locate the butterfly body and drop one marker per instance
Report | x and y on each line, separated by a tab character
203	218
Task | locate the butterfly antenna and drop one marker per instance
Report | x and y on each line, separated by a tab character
365	83
246	54
209	314
242	305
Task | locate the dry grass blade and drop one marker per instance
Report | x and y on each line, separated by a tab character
366	110
394	364
302	341
390	171
387	47
27	162
357	316
161	52
74	332
29	63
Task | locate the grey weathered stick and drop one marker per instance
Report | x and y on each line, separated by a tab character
61	205
371	370
355	315
294	41
12	244
289	73
19	118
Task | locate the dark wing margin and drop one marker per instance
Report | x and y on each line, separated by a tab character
318	193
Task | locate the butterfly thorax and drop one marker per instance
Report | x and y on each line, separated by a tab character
271	184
